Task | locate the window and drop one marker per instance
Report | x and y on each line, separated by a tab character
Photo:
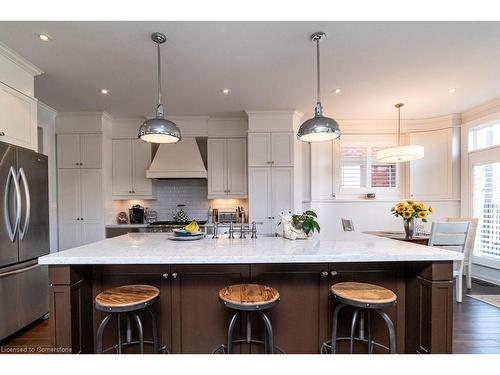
486	207
484	136
360	170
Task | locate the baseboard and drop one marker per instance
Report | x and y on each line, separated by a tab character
490	280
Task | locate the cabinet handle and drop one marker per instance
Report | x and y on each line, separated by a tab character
324	274
165	275
2	134
174	275
333	273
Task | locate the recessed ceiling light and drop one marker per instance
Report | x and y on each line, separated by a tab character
452	90
104	91
226	91
44	37
337	91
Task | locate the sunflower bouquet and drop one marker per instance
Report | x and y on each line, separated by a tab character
410	209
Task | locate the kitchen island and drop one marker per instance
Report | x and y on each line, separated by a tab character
190	274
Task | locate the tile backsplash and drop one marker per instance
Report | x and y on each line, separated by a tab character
169	193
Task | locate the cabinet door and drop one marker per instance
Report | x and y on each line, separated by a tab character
282	149
92	206
282	193
199	320
91	150
431	177
18	118
259	149
141	185
237	167
69	208
322	175
300	320
217	168
122	167
259	191
68	151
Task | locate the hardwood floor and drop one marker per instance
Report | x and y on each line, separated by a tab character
476	328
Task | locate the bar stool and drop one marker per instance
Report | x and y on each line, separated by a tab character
365	298
127	299
249	298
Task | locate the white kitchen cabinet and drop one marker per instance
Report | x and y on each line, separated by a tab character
322	170
265	149
282	149
18	118
432	176
227	168
270	192
80	207
131	159
79	151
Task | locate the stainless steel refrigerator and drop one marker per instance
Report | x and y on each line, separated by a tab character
24	236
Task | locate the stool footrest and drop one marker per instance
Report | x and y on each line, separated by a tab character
162	349
326	348
222	348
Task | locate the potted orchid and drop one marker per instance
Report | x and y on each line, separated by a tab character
410	211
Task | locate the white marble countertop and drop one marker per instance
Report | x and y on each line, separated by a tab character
127	225
156	248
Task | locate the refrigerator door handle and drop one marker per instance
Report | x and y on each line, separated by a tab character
8	225
21	270
24	228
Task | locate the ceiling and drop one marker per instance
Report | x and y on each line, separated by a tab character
267	65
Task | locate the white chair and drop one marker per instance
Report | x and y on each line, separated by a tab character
452	236
469	246
347	225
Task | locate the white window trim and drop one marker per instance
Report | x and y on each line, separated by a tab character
359	193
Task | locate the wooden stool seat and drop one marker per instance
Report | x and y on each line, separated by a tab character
363	293
126	298
249	296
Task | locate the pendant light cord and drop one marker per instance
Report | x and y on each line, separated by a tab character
159	74
318	88
399	126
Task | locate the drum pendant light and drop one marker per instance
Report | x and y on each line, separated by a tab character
159	129
400	153
319	128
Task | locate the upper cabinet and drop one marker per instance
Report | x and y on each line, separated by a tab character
79	151
436	176
227	168
270	149
18	118
131	159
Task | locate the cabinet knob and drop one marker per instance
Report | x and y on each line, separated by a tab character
165	275
77	218
333	273
324	273
81	218
174	275
77	163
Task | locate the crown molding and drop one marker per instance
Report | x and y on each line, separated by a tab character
19	60
481	110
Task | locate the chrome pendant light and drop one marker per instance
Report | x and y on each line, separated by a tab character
319	128
159	129
400	153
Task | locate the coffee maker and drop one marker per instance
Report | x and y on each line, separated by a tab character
136	214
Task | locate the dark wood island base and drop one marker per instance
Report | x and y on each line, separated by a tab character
191	319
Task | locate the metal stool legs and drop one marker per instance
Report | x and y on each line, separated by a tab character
390	328
128	335
268	333
361	313
100	332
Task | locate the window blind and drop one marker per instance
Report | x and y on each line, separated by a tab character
353	166
382	174
486	207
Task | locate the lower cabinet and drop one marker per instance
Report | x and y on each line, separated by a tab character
199	321
300	320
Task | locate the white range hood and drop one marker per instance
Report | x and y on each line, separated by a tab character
178	160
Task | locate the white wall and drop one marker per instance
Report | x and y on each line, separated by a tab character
47	121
